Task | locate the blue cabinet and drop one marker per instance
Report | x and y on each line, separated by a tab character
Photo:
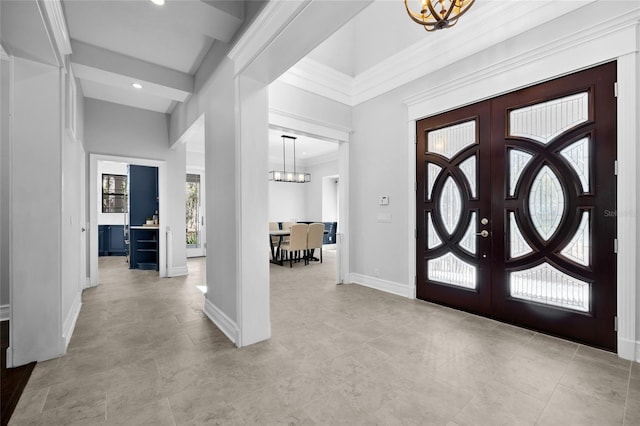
111	240
143	193
143	204
144	248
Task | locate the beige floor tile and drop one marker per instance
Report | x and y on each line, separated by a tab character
573	408
204	404
72	415
31	403
498	404
591	376
88	391
144	353
156	413
632	407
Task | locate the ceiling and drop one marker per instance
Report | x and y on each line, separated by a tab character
116	43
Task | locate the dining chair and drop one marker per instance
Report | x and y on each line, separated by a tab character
285	227
315	237
297	243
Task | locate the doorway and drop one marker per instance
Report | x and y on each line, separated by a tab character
195	233
512	207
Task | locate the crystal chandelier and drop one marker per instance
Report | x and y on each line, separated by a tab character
288	176
438	14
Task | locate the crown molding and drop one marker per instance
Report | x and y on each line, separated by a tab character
622	28
265	28
320	79
58	26
319	129
428	56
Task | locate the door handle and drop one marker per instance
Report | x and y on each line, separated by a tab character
484	233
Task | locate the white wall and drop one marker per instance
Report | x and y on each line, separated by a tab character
36	211
315	191
330	198
4	181
378	164
287	201
118	130
115	168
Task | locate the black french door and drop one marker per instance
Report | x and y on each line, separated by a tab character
511	207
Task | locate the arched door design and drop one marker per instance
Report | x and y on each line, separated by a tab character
512	202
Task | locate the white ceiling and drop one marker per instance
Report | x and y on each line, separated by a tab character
118	42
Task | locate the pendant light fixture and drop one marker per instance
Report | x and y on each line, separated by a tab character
289	176
438	14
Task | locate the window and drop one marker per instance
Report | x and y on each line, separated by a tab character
193	211
114	193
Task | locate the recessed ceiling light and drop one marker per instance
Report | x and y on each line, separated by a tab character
137	85
158	2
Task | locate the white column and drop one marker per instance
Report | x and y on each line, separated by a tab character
627	216
252	206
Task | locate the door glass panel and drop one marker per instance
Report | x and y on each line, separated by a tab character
518	246
517	162
547	285
432	174
469	240
579	248
577	154
449	269
433	241
468	167
544	121
450	205
193	211
451	140
546	202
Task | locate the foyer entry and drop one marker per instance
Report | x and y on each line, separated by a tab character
516	206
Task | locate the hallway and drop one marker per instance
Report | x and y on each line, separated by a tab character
143	353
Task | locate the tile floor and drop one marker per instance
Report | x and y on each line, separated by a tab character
144	354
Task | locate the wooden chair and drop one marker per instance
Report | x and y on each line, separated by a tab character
297	243
314	238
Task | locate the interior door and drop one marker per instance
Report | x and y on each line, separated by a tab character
549	246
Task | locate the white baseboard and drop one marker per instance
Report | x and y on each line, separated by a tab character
382	285
177	271
5	312
87	283
222	321
628	349
70	321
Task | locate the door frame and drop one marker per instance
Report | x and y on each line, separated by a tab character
202	250
94	186
539	64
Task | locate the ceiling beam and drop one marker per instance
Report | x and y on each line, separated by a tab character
104	66
208	18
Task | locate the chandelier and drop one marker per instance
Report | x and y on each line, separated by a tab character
288	176
438	14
